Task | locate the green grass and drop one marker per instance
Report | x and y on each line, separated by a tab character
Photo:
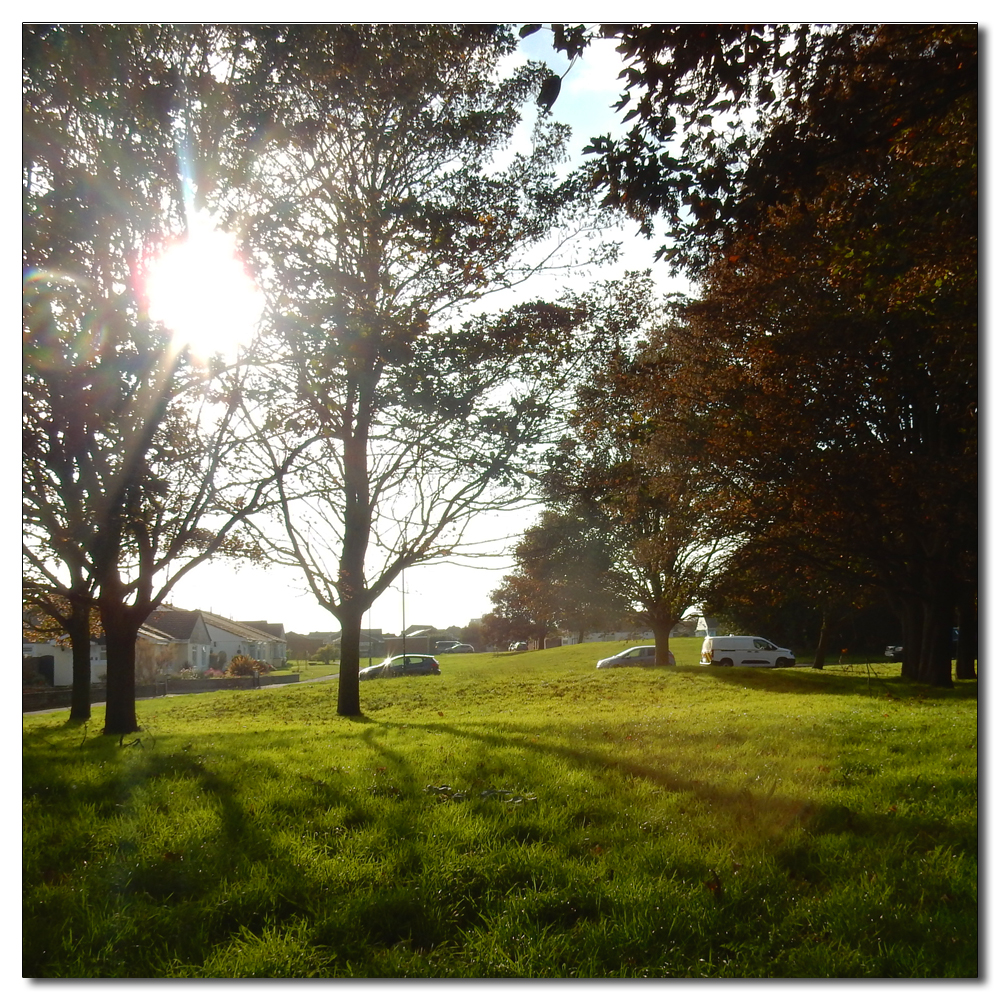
310	669
522	815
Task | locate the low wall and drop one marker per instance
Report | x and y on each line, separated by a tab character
39	699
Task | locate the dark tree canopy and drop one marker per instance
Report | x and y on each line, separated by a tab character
820	183
730	120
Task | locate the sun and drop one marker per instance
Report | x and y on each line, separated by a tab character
201	291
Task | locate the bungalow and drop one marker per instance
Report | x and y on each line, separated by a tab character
266	644
171	640
278	646
185	634
54	660
201	639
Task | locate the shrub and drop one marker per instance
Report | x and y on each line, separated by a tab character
246	666
31	676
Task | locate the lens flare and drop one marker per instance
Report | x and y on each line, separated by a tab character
201	290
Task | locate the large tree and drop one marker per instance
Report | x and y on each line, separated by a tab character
625	470
730	120
836	348
522	610
568	554
56	607
821	182
131	475
563	580
395	203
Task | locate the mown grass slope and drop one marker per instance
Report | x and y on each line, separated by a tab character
522	815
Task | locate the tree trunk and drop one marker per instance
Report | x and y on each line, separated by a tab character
661	636
121	624
79	634
968	637
348	687
934	666
354	599
120	717
911	619
819	659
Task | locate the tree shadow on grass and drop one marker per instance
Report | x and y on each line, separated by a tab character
762	809
847	679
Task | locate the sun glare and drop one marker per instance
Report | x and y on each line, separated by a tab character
201	291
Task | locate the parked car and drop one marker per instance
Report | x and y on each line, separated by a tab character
408	665
745	651
517	647
459	647
894	653
445	645
637	656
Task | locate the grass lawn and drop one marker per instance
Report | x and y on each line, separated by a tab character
522	815
310	670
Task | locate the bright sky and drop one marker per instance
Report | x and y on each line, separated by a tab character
442	595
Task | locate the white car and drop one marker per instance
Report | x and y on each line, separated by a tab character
637	656
745	651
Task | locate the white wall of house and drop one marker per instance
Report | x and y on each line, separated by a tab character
62	660
232	644
192	654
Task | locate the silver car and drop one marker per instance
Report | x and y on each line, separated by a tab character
637	656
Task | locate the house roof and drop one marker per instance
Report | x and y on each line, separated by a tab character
276	630
326	637
154	635
179	625
244	630
176	623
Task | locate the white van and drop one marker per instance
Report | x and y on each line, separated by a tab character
744	651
